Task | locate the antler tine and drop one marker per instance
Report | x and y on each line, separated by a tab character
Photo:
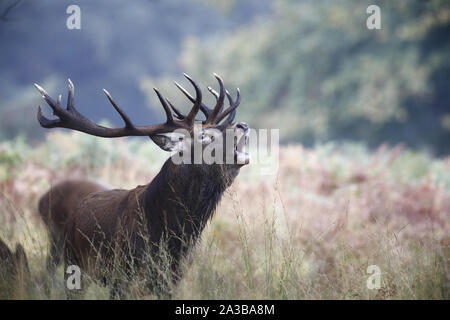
165	106
197	104
230	118
71	96
46	97
45	122
212	117
230	98
213	92
178	113
56	107
231	110
128	123
206	111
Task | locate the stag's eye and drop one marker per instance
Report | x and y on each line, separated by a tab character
205	137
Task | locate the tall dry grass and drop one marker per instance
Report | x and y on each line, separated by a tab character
308	232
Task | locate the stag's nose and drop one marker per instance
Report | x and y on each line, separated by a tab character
243	126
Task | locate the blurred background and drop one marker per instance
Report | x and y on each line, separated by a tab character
311	68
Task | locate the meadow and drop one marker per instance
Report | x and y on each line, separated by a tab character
310	231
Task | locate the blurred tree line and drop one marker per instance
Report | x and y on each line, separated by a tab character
311	68
314	70
119	43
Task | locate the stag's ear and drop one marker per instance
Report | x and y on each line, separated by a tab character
168	143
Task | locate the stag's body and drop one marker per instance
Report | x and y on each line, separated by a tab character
119	230
169	213
56	206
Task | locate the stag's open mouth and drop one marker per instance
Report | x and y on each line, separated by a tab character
241	157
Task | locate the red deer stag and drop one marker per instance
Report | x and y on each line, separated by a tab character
171	211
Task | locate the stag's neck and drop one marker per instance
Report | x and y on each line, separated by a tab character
182	198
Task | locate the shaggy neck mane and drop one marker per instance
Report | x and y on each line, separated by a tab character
180	200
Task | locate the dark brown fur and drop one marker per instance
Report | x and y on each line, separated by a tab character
55	206
173	209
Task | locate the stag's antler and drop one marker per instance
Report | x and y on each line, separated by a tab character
214	116
70	118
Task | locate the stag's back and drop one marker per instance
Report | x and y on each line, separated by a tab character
59	201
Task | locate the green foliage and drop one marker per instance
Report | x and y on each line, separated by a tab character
311	68
12	155
314	70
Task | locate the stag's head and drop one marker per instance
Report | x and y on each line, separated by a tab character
212	144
